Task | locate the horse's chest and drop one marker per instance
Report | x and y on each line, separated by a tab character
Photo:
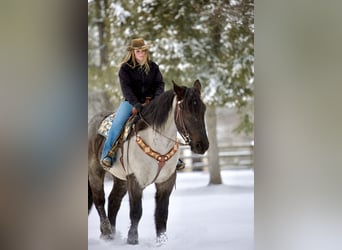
146	168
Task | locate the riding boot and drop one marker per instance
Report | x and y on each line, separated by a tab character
180	165
110	158
107	161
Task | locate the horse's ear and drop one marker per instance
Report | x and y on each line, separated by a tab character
179	90
197	85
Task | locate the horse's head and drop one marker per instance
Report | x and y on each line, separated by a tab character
189	116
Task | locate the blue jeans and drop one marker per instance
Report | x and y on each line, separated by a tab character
122	114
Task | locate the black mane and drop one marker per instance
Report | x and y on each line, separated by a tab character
157	112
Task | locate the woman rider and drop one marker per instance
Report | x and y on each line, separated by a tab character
140	81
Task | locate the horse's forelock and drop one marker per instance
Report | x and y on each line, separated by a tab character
191	95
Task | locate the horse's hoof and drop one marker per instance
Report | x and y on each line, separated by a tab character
106	231
132	237
132	241
107	237
161	239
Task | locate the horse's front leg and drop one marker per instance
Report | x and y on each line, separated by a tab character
114	201
162	207
135	196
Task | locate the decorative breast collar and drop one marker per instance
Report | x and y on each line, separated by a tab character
155	155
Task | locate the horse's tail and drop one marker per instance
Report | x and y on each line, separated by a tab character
90	197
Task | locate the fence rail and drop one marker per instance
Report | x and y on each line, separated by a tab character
230	156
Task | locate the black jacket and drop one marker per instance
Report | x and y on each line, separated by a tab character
136	85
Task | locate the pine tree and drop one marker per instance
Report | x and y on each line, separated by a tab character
210	40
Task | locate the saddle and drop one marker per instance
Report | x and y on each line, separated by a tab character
106	124
125	133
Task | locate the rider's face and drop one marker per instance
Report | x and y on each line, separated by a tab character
140	55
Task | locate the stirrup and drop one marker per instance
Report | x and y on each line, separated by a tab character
180	165
107	162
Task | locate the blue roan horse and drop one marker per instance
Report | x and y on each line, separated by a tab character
149	156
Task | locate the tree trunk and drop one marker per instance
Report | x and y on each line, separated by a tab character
100	16
213	159
106	34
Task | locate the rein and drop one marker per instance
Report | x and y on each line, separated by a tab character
179	117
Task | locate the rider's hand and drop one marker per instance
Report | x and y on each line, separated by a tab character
134	111
137	108
147	101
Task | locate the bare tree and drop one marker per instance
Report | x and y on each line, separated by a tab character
213	159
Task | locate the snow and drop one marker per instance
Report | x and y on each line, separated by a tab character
120	13
201	217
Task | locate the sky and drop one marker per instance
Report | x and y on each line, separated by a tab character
201	217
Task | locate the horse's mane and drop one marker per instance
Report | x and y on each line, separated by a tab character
157	112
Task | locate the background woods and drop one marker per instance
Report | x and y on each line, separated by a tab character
208	40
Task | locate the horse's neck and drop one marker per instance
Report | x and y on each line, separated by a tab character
162	136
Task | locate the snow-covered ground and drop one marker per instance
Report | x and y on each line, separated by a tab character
201	217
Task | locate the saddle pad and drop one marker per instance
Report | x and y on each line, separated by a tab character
105	125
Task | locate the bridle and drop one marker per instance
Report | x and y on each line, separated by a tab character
179	117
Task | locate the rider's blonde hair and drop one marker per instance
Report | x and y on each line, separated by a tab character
131	61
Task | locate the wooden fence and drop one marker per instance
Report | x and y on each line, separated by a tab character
231	156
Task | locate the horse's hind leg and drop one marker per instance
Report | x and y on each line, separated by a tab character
114	201
135	196
162	206
96	178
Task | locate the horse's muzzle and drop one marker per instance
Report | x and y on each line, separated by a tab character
199	147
